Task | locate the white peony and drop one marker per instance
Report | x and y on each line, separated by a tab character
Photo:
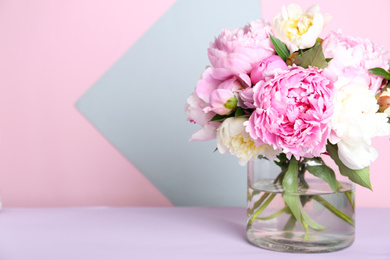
299	30
387	112
232	138
355	121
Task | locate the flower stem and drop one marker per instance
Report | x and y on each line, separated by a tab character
301	176
266	203
334	210
280	177
290	224
276	214
349	197
265	195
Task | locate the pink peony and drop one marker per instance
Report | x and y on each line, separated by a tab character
217	78
293	112
245	98
195	112
218	100
240	49
217	86
266	68
352	58
261	72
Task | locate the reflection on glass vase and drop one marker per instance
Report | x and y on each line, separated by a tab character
326	217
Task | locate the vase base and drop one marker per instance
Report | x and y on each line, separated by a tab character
299	242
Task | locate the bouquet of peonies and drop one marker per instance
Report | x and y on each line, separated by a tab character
281	92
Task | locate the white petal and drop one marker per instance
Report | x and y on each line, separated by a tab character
356	157
313	9
206	133
387	112
283	15
294	10
327	18
310	37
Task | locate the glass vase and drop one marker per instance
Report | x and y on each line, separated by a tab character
272	225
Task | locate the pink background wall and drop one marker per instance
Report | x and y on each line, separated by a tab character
51	52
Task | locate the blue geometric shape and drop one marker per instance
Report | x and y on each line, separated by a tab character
138	104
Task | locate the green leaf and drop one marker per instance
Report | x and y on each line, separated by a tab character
386	87
310	222
361	177
328	59
220	118
290	181
290	186
283	161
291	197
318	168
318	41
239	112
313	57
380	72
294	203
250	197
280	48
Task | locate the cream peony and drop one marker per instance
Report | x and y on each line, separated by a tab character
299	30
232	138
355	121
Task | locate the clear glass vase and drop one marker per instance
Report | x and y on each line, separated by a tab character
272	225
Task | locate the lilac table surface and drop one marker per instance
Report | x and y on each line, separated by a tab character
161	233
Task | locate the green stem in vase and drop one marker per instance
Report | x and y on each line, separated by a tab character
258	203
265	195
350	199
301	176
280	177
348	194
334	210
290	224
266	203
276	214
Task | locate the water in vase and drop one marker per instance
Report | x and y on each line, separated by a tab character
271	224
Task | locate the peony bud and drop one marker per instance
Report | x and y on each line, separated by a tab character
384	103
383	100
231	103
